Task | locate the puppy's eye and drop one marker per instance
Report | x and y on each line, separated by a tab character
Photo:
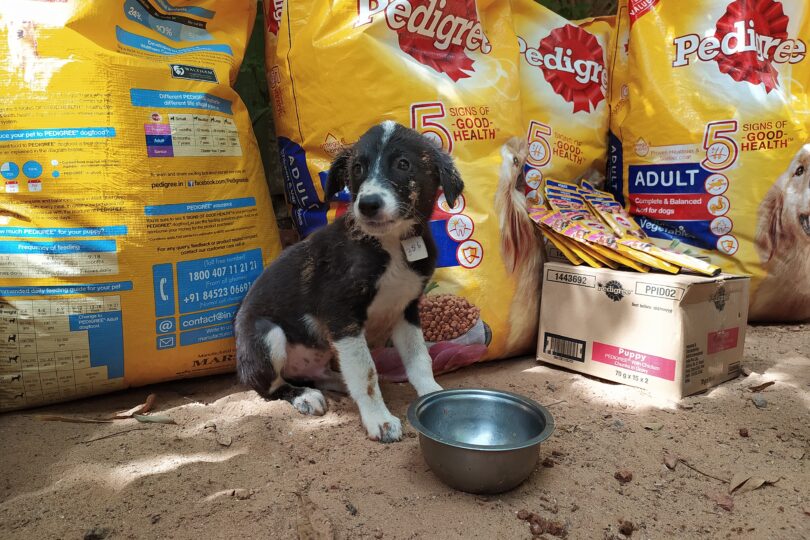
403	164
515	161
357	169
799	171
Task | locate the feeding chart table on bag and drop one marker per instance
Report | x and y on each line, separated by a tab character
61	347
23	259
193	135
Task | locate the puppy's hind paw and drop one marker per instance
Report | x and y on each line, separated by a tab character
386	430
310	402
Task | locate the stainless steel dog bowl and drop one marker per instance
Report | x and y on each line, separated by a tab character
478	440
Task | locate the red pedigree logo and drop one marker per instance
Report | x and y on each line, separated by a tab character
572	62
748	40
436	33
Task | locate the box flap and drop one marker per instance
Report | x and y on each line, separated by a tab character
682	279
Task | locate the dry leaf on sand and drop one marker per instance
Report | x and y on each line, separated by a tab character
144	407
744	482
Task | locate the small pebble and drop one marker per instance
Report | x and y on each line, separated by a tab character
759	401
97	533
627	527
242	494
623	475
743	432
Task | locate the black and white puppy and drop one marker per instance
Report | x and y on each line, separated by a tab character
353	285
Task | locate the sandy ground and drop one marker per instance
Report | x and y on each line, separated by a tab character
265	471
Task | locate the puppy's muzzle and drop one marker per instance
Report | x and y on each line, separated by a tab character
370	205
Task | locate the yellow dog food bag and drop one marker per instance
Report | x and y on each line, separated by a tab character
445	69
133	210
709	137
563	80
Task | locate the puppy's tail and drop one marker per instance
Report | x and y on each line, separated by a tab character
253	365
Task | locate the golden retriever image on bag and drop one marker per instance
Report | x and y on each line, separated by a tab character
783	244
521	245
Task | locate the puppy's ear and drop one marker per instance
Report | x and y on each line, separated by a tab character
769	229
338	176
449	177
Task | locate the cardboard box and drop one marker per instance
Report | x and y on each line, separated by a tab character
674	335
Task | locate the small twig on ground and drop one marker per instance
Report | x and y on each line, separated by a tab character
557	403
701	472
761	387
71	419
107	436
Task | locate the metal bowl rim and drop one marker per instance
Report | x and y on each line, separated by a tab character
413	419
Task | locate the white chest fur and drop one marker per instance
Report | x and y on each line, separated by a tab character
398	287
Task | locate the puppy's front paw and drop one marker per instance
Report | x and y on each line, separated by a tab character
310	402
385	429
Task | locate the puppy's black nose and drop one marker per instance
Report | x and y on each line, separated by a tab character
369	205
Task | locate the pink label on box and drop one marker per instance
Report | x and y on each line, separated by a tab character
723	340
663	368
157	129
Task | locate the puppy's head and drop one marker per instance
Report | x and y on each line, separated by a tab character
784	216
393	174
